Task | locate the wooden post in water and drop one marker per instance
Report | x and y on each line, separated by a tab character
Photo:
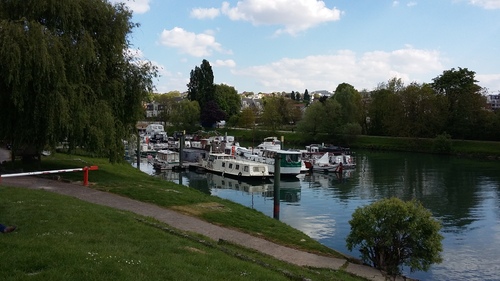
138	150
181	150
277	159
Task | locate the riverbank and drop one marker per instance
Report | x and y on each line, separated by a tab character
129	182
464	148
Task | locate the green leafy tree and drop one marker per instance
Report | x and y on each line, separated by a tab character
292	95
186	116
247	118
380	110
201	88
167	102
422	113
271	115
65	75
228	100
298	97
350	100
321	118
294	112
391	233
464	98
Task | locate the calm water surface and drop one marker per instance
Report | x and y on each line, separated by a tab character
463	194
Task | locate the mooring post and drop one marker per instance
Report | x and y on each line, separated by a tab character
277	159
138	150
181	149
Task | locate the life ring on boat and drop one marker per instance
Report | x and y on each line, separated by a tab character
239	174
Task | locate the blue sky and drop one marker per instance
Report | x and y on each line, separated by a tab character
293	45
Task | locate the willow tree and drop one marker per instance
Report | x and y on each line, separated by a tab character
66	75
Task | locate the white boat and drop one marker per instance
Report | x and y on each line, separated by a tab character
166	160
323	164
336	155
290	161
268	143
227	165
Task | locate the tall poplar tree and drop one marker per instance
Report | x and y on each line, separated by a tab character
201	88
65	75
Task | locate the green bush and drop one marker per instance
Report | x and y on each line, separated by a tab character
442	144
391	233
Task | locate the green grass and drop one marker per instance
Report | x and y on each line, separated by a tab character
62	238
125	180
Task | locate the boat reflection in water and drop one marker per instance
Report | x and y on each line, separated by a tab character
228	187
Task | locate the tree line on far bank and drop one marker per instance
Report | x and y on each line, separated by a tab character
451	106
67	77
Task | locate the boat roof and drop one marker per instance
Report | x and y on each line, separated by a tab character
282	151
167	151
236	161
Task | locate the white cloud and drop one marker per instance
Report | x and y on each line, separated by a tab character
294	15
365	71
486	4
137	6
490	81
201	13
197	45
411	4
225	63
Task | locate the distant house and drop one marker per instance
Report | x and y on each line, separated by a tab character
153	109
321	93
493	102
252	103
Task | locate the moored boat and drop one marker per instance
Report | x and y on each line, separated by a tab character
166	160
290	161
227	165
323	165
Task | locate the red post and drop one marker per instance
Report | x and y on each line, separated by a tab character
85	176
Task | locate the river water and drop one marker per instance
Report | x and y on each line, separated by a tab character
464	194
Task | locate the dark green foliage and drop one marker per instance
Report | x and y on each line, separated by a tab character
211	113
442	144
65	75
391	233
464	100
322	118
307	97
185	116
228	100
201	86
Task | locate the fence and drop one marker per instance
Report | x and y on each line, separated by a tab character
84	169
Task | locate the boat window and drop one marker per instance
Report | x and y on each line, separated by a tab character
256	169
230	165
223	164
245	168
237	167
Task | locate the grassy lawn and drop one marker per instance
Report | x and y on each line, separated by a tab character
62	238
54	227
